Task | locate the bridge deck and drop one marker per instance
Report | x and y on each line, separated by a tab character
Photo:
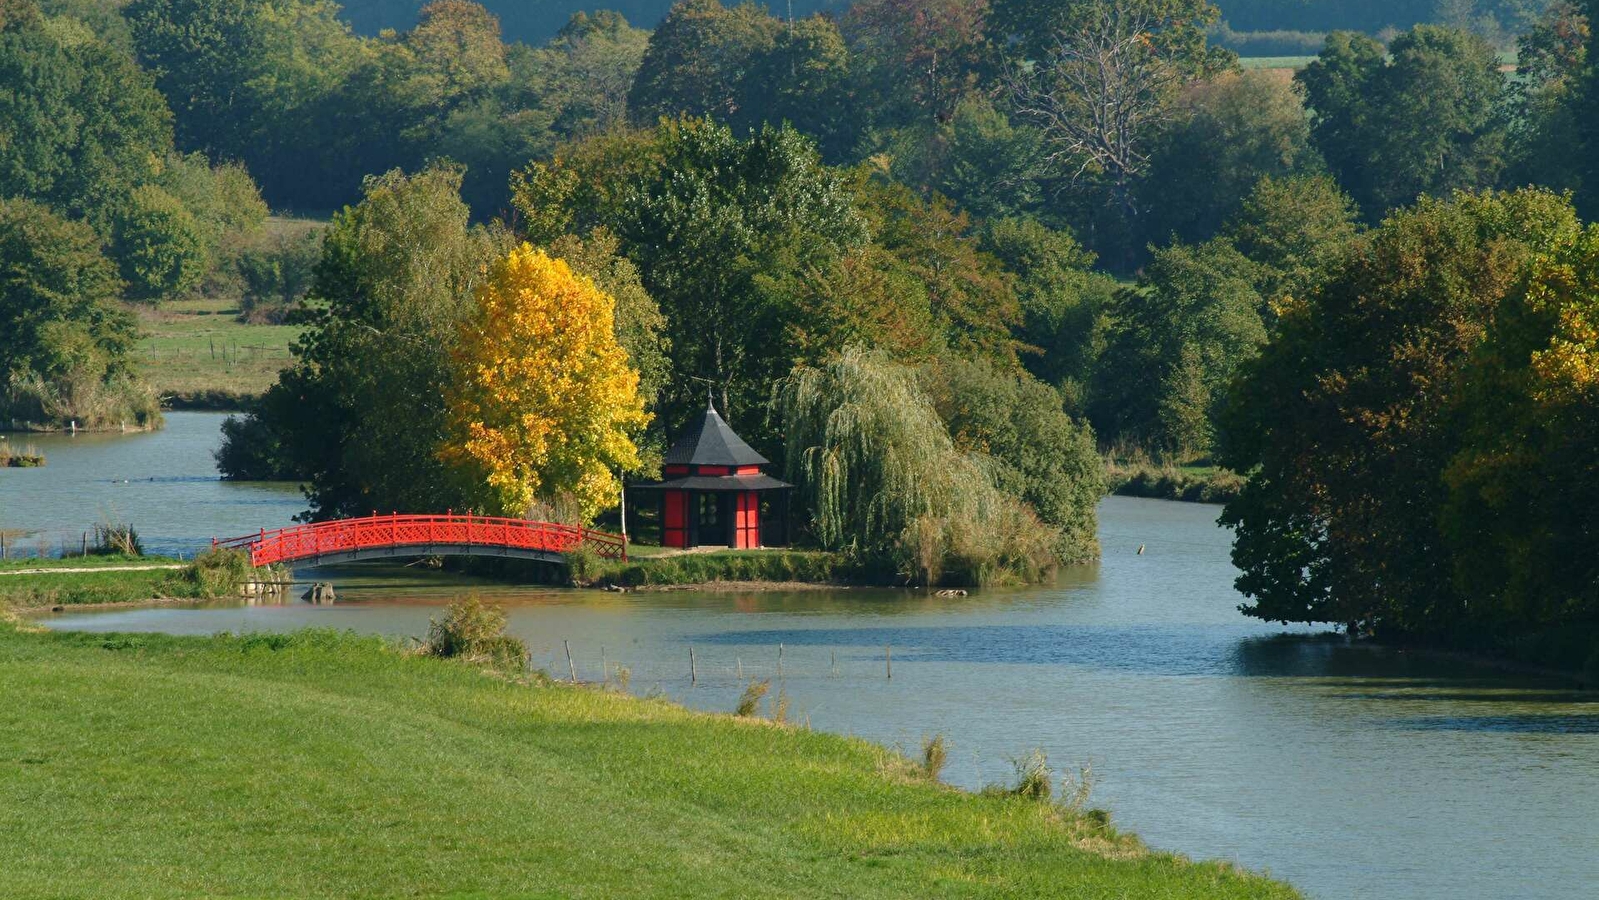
343	540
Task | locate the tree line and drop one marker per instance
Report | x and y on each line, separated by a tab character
919	212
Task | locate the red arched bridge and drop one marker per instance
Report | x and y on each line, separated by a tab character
395	535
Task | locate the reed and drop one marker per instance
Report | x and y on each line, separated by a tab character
749	703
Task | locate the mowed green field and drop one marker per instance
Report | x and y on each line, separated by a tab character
320	765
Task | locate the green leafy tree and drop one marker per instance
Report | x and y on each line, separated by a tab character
242	76
359	414
1226	134
160	246
708	219
1173	345
80	124
1064	303
1425	121
1544	108
915	60
990	166
698	58
1296	230
1040	455
67	339
1345	418
581	79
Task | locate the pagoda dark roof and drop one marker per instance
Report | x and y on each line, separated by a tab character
709	442
716	483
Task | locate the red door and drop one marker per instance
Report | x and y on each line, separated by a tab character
749	520
674	519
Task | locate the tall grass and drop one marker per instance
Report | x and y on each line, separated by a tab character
122	401
116	540
23	457
935	753
703	568
749	703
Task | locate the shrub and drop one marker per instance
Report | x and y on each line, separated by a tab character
275	273
475	632
220	571
116	540
583	565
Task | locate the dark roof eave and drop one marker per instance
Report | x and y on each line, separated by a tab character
715	483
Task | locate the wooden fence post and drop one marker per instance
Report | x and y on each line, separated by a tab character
693	670
888	657
570	666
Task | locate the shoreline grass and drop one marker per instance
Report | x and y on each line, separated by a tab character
1188	484
328	765
25	456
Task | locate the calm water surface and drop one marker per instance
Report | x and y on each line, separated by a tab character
1350	771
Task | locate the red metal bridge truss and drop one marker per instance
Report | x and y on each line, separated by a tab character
399	535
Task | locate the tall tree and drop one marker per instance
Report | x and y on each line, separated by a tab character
1544	125
1345	418
1173	345
66	336
698	59
1425	120
80	124
1107	80
1225	135
915	59
542	404
358	414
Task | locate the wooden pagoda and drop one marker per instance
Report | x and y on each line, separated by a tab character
716	491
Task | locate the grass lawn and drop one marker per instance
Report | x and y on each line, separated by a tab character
319	765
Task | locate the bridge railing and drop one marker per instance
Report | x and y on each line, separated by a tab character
395	530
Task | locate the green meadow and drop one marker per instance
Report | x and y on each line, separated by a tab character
328	765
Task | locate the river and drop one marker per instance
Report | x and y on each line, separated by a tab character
1351	771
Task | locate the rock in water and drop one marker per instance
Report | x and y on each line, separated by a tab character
321	592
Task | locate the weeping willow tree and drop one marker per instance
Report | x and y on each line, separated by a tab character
884	482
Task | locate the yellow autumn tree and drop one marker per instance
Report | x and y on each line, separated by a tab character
543	401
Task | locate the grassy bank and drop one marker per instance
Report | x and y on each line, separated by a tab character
1192	484
198	355
810	567
89	580
319	765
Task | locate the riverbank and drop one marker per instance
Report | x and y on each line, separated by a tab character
318	764
34	584
748	568
1189	484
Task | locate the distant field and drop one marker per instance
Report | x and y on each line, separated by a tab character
197	352
194	348
1275	62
